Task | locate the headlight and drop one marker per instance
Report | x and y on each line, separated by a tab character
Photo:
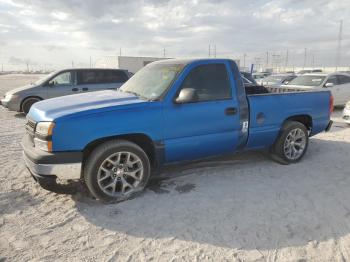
44	128
43	136
347	105
8	97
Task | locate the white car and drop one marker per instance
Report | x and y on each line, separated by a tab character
346	113
338	83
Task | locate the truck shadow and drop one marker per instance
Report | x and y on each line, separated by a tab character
244	201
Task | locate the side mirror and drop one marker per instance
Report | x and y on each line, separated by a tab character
50	83
186	95
329	85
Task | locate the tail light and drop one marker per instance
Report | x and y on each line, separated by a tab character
331	104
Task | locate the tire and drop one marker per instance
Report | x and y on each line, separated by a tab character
27	104
291	144
116	170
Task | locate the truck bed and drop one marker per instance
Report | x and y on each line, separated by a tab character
268	112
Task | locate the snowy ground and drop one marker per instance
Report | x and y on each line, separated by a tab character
239	208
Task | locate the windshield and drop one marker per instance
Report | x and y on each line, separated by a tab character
43	79
307	80
152	81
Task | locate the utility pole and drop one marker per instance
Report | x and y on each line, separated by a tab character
287	54
267	59
120	51
215	50
244	56
163	52
209	50
339	45
72	64
305	52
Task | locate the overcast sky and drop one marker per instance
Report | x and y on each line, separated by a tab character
56	32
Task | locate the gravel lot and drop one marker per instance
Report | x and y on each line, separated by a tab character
239	208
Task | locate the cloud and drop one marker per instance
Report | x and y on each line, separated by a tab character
66	30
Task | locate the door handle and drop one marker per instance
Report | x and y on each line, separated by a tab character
230	111
75	89
85	89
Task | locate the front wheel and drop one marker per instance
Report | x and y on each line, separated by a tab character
291	144
116	170
27	104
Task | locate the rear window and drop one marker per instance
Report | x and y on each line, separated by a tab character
101	77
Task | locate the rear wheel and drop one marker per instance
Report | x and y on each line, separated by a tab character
27	104
116	170
291	144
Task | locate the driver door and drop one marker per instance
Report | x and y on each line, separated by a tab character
208	125
62	84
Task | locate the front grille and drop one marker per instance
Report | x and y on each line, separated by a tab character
30	127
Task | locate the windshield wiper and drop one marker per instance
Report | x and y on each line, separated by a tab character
136	94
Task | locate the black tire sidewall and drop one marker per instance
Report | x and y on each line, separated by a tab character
103	151
27	104
278	148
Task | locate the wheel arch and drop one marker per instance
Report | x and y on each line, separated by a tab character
140	139
305	119
27	97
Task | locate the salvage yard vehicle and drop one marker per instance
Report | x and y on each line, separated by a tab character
170	111
337	83
277	80
61	83
346	113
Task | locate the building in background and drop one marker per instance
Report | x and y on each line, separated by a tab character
130	63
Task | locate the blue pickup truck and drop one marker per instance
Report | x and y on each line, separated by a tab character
170	111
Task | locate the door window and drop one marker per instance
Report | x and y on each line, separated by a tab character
333	80
62	79
210	82
101	77
343	79
114	77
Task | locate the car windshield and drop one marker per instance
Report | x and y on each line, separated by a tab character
152	81
307	80
44	79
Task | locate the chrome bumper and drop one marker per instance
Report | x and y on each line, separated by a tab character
61	171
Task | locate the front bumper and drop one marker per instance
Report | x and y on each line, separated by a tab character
346	115
61	171
41	164
11	104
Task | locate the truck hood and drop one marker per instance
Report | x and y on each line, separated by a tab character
51	109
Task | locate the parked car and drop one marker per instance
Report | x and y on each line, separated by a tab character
276	80
346	113
308	71
337	83
61	83
170	111
248	78
258	76
251	86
